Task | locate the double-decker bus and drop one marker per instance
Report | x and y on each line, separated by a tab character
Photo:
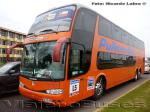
72	53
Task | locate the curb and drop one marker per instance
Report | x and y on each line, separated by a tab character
100	109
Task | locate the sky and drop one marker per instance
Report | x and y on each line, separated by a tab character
20	14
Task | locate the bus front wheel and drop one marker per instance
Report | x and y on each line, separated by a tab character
99	88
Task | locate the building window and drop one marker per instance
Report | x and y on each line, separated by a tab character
3	42
11	35
3	51
0	51
4	33
19	36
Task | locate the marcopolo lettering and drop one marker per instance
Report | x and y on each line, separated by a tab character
114	47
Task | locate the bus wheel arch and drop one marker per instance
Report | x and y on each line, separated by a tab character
104	78
100	87
102	75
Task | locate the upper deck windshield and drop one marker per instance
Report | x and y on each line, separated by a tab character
38	62
54	20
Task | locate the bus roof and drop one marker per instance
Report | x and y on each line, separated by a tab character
82	6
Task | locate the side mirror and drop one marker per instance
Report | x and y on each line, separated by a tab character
12	71
57	49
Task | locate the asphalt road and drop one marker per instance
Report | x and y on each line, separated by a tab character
13	102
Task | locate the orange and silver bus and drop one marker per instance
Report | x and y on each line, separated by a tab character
72	53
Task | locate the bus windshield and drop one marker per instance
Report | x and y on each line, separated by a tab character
38	62
54	20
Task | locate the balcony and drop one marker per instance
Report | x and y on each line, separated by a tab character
4	46
2	55
6	38
19	49
11	39
15	56
11	55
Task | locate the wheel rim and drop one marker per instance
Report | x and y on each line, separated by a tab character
99	88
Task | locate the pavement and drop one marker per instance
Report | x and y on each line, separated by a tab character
14	102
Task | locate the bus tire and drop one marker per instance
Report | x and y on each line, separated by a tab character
136	77
99	88
140	74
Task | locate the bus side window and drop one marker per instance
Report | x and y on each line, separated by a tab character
78	60
107	60
76	67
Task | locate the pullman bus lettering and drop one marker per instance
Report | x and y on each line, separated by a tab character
114	47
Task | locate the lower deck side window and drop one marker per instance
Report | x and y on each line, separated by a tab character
106	60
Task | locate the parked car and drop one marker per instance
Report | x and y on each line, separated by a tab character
147	68
9	77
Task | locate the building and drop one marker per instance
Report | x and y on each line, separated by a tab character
7	38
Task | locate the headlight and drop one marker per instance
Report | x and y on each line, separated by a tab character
21	84
54	91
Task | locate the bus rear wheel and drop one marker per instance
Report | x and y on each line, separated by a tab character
137	76
140	74
99	88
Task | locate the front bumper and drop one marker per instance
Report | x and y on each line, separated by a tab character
57	100
148	71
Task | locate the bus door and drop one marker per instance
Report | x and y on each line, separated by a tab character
76	74
76	82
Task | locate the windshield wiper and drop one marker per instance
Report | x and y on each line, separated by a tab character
49	30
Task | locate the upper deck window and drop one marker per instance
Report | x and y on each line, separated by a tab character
55	20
